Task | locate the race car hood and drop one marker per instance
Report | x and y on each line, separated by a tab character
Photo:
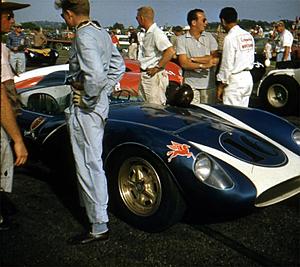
274	183
207	129
164	118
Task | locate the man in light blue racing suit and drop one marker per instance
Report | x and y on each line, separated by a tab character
96	67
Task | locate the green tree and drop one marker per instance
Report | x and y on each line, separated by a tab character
29	25
118	25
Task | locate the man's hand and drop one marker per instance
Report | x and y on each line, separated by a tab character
152	71
220	91
21	153
78	98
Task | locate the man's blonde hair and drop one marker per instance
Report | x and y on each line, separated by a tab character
79	7
146	12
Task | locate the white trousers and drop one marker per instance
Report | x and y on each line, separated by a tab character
238	92
153	89
86	133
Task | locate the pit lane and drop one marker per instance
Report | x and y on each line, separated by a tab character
46	212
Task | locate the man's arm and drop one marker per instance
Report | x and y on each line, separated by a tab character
166	57
286	53
204	62
8	121
116	67
8	41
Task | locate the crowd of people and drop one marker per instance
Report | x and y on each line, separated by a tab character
214	72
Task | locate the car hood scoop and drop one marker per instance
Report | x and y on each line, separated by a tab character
252	149
236	142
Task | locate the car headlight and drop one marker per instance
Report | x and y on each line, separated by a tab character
296	137
210	173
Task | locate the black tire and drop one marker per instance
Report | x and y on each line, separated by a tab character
142	192
280	95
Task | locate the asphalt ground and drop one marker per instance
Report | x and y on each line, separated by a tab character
46	214
44	210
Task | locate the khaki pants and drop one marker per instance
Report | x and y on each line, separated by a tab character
204	96
153	89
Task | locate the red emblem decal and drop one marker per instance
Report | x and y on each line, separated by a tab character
178	150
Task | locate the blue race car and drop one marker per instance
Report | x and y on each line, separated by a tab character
164	160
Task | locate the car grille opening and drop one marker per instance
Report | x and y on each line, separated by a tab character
279	192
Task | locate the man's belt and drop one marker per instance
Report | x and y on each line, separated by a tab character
143	70
240	71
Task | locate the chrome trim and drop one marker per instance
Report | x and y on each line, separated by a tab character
55	130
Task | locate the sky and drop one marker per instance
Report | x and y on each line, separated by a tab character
167	12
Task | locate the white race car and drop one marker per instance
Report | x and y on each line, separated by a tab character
279	91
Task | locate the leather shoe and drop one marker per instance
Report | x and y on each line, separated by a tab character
87	238
5	226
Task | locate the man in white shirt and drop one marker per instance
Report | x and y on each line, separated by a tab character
155	53
9	128
238	57
285	42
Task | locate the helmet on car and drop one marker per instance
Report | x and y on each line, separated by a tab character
180	96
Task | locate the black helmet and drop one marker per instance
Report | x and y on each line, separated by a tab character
180	96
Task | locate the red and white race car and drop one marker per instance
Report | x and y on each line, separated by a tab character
56	75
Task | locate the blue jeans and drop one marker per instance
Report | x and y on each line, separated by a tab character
18	61
279	57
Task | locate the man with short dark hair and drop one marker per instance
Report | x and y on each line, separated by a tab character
197	55
235	79
177	31
96	66
133	41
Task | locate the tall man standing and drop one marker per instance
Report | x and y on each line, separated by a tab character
9	127
197	52
96	67
16	42
236	82
156	52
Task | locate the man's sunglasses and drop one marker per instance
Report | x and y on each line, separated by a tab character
10	16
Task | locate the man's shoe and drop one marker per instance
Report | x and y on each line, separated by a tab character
88	238
6	225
